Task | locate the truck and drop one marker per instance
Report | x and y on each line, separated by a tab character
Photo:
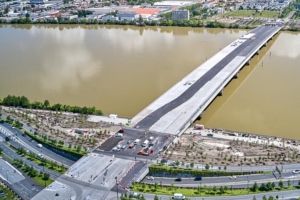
145	143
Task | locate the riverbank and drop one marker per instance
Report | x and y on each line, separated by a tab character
167	23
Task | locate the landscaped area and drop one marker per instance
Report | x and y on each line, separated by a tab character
9	195
251	13
210	191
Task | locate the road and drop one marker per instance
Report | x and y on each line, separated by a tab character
25	143
244	49
221	181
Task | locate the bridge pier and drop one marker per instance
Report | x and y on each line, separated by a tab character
257	53
248	62
236	75
265	44
221	92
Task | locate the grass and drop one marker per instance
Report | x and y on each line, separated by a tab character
250	13
39	179
39	162
9	195
204	192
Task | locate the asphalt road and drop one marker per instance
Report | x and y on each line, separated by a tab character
223	179
25	143
243	49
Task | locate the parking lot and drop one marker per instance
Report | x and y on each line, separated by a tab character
157	142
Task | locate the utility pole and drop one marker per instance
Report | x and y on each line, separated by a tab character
117	188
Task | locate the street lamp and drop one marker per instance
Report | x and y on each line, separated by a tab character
117	188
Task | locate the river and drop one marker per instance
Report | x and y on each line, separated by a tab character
122	69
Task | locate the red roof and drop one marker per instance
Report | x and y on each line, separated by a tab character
149	11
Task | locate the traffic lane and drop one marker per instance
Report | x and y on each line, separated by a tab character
132	174
210	180
12	154
43	150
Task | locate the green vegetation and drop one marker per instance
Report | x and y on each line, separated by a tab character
159	169
45	140
287	10
43	162
22	101
296	15
84	13
40	177
205	191
251	13
9	195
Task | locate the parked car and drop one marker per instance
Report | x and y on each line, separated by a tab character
123	147
178	179
129	141
297	171
232	177
198	178
116	149
150	178
151	138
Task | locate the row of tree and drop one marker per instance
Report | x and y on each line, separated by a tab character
30	170
23	102
174	171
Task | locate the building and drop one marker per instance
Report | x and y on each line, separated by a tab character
180	15
109	17
128	17
38	1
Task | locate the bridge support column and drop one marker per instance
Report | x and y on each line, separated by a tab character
221	92
257	53
236	75
265	44
248	62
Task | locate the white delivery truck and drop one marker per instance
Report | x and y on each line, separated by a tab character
145	143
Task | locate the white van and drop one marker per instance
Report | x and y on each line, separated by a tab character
178	196
136	141
145	143
39	145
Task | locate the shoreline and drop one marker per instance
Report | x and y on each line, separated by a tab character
220	25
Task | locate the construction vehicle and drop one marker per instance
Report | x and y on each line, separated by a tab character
146	151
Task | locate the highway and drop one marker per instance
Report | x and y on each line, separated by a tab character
25	143
223	180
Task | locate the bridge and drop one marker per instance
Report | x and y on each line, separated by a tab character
175	110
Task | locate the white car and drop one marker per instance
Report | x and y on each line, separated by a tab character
297	171
232	177
116	149
151	138
150	178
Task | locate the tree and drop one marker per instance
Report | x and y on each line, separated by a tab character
78	149
222	191
156	197
207	166
289	183
280	184
192	165
46	104
155	186
27	15
215	189
264	197
254	198
6	10
225	167
263	187
271	198
254	188
46	176
1	150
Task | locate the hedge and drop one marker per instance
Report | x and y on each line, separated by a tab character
40	140
155	170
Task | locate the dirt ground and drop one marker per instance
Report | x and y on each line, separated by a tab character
69	127
213	151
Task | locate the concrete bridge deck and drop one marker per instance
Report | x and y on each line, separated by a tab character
177	108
